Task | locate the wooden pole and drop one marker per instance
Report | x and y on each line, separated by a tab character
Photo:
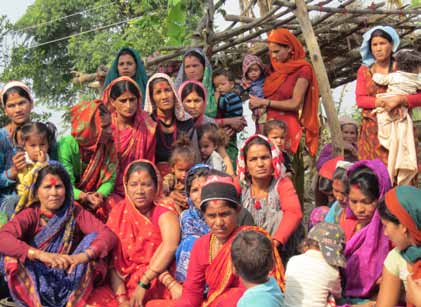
321	74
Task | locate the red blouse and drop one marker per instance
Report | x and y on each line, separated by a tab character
366	101
23	227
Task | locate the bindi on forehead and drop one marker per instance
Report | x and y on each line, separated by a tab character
53	181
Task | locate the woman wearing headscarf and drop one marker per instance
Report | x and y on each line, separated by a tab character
89	155
166	109
364	233
401	216
379	44
133	129
128	63
17	104
52	253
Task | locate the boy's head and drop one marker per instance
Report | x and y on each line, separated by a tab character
182	158
276	131
408	60
209	139
223	81
331	239
252	256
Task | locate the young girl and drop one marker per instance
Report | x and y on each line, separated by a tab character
252	82
212	148
36	140
181	160
192	221
276	131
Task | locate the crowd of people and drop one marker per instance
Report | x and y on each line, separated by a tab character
152	200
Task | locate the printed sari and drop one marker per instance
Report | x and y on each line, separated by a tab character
133	143
32	283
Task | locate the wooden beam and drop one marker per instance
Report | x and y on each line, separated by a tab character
322	78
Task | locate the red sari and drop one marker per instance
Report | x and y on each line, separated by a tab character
279	85
224	287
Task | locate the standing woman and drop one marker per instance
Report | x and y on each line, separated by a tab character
267	193
133	129
291	87
17	104
377	49
166	109
196	66
401	217
128	63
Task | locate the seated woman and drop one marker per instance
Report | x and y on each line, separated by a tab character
48	250
133	129
128	63
148	231
268	193
89	155
210	263
166	109
369	181
400	214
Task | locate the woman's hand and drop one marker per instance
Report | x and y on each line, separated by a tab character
256	102
236	123
18	164
390	103
245	84
413	293
95	200
56	261
179	198
176	290
137	297
77	259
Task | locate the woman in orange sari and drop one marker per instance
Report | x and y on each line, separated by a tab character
210	264
148	231
291	86
133	129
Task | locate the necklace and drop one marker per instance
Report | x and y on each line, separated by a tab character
169	125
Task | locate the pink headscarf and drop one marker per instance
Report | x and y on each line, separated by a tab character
198	121
250	59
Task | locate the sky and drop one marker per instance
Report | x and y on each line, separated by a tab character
14	9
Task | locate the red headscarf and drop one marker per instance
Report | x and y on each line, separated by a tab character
309	116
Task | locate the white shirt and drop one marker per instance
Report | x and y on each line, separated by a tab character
310	280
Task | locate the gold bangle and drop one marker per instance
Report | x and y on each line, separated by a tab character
171	284
31	254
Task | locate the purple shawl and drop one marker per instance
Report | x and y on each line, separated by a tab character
367	249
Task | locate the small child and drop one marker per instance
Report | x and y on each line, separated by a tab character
36	140
276	131
395	132
252	82
181	160
313	277
252	257
212	148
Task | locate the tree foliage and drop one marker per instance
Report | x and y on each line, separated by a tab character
46	62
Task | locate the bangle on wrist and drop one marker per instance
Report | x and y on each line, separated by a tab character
172	284
31	254
269	103
143	285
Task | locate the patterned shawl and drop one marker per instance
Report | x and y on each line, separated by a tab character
138	238
220	275
211	106
309	115
33	283
140	77
150	105
366	251
101	158
277	161
133	143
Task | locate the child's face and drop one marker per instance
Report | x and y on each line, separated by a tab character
34	145
254	72
277	136
196	190
222	84
349	133
180	170
206	148
338	189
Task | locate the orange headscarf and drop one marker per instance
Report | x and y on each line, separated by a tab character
309	116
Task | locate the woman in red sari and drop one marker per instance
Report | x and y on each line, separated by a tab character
133	129
210	261
148	231
291	86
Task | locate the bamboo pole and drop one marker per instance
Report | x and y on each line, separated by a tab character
321	74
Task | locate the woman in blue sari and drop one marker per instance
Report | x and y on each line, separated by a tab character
47	250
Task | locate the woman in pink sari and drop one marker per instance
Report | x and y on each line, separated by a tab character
133	129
